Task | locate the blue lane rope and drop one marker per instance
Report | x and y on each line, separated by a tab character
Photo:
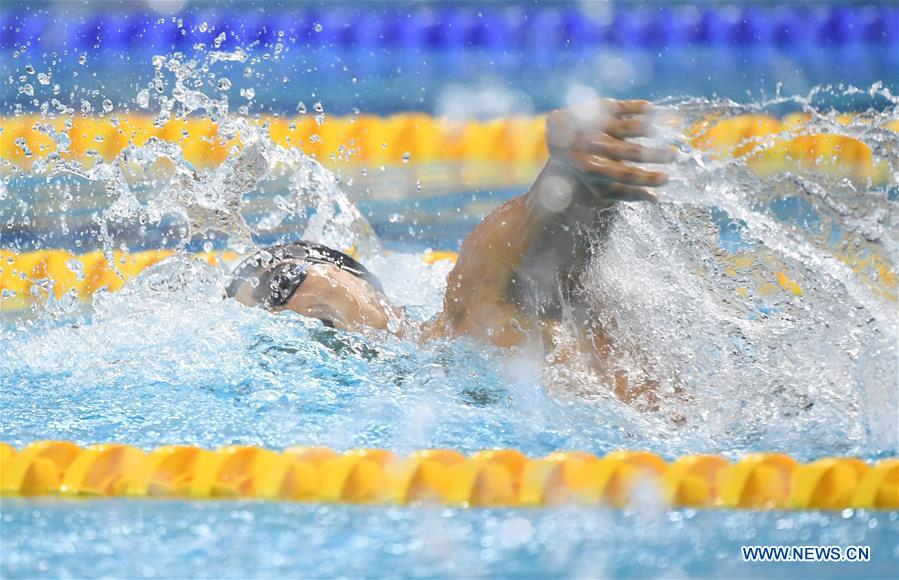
446	26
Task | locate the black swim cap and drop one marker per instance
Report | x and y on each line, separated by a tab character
279	271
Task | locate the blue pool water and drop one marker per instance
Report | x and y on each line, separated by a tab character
245	539
745	367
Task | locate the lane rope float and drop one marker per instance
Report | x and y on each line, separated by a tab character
486	478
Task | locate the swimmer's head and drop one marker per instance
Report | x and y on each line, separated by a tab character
315	281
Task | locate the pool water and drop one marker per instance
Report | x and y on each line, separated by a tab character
268	540
690	285
165	361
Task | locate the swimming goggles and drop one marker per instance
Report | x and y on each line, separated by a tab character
278	271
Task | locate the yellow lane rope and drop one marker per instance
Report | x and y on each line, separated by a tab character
486	478
30	277
420	139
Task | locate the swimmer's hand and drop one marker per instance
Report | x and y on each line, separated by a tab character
589	149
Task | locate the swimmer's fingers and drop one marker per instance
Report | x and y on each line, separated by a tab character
603	144
563	128
618	108
628	127
616	171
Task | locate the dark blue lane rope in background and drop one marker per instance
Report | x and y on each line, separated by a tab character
50	26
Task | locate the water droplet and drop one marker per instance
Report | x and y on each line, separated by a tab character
248	93
29	69
222	37
85	107
107	106
406	157
82	59
318	27
43	78
317	107
77	268
203	27
63	141
301	108
224	84
143	98
27	89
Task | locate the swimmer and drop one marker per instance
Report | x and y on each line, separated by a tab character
518	273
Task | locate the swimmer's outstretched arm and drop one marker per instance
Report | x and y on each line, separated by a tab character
588	168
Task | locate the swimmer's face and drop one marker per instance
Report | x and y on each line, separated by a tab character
336	297
348	302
